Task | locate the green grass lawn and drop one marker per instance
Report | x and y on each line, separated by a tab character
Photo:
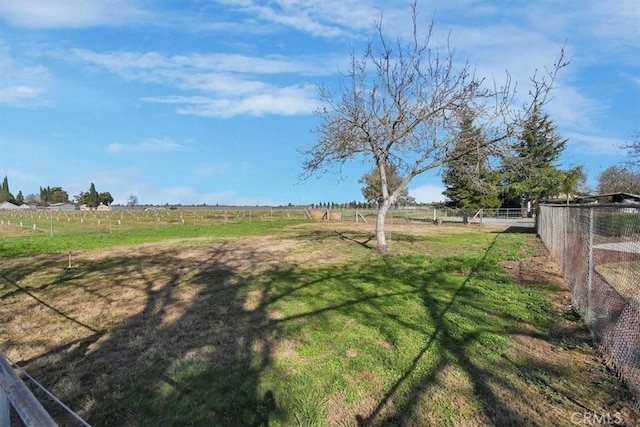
64	242
303	325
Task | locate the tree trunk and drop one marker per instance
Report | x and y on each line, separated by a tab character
381	239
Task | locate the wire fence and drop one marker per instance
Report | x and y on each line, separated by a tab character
598	248
52	222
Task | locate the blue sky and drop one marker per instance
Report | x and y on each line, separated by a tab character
207	101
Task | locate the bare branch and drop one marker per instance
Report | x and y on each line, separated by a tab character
398	105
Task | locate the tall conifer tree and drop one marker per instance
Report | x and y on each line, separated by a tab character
530	174
468	180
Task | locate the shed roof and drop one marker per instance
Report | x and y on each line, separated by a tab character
610	198
8	206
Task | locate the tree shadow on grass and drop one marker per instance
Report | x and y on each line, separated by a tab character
454	350
198	328
363	239
519	229
187	347
498	383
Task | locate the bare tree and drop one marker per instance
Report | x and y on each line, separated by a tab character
397	105
616	179
633	151
132	201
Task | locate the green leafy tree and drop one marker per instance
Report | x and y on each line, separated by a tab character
19	198
530	173
468	179
88	198
105	198
572	181
52	195
372	191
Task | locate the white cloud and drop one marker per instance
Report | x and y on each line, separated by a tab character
21	84
214	169
427	193
165	144
321	18
69	14
595	144
633	78
227	83
115	147
574	109
179	193
20	95
154	66
287	101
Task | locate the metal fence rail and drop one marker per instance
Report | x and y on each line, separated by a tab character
598	249
14	393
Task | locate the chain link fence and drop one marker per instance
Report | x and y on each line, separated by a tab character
598	249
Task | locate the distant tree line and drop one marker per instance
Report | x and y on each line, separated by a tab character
53	195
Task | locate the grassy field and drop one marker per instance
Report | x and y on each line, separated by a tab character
286	323
623	277
32	222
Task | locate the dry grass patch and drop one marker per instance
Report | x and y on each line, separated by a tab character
624	278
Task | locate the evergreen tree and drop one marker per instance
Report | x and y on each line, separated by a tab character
530	174
468	180
93	199
19	198
372	191
5	194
